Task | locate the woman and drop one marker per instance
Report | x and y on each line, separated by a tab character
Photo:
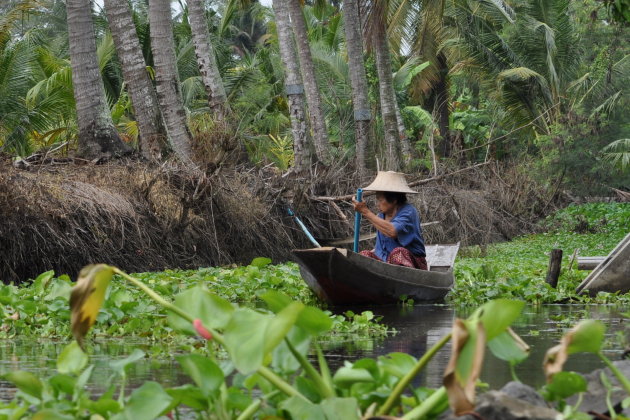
399	236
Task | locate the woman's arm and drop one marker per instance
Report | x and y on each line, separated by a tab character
382	225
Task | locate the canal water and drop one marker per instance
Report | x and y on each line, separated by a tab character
541	327
418	328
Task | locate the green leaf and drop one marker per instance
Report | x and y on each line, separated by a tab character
72	359
25	382
497	315
275	301
51	414
310	319
206	374
245	339
63	383
145	403
213	311
120	365
346	376
282	359
563	385
261	262
587	336
300	409
340	408
507	347
314	320
188	395
42	280
396	364
280	325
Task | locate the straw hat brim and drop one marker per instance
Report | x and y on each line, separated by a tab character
390	181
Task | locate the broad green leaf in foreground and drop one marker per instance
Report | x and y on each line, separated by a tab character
245	339
26	382
497	315
72	359
310	319
203	371
212	310
509	346
145	403
563	385
120	365
587	336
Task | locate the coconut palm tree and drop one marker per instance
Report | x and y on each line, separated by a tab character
208	68
147	112
362	114
294	88
167	80
376	35
316	113
97	134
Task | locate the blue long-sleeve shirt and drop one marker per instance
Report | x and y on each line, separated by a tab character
408	230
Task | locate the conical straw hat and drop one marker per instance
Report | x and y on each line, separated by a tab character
391	182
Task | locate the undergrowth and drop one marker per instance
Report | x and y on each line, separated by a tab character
517	269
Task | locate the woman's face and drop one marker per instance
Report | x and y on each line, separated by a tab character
385	206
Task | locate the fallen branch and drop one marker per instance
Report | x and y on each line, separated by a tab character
348	197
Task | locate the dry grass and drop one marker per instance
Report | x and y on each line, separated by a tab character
143	218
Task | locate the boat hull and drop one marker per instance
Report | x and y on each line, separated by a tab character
342	277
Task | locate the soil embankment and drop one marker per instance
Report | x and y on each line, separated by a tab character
143	218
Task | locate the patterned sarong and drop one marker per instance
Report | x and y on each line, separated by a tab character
400	256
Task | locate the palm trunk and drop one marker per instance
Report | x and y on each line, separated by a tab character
167	80
405	144
294	87
441	105
217	99
358	79
318	121
97	135
388	98
153	139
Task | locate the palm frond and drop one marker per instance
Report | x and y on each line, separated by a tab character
618	153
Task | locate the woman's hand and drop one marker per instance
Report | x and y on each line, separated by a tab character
360	206
382	225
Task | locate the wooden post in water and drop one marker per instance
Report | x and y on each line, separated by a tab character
555	261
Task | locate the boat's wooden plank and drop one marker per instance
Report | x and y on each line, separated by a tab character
589	263
613	274
441	255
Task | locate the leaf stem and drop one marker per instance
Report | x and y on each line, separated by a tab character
620	376
425	408
406	380
323	387
250	410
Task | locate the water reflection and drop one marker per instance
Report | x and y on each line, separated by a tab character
40	357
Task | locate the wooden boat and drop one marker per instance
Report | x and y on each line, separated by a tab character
342	277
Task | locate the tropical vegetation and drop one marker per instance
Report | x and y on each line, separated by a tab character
438	82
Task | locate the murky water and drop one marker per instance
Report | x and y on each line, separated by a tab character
418	329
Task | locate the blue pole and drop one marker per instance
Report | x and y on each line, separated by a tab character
304	229
357	222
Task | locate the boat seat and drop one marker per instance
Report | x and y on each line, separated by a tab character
441	257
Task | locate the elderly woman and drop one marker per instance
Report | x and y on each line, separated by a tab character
399	235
